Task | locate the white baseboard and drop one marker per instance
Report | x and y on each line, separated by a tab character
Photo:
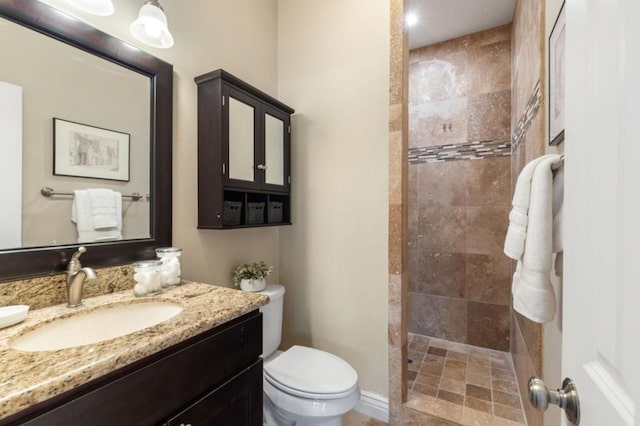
373	405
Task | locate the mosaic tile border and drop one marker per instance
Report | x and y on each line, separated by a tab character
462	151
530	112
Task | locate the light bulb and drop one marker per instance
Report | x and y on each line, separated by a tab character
153	29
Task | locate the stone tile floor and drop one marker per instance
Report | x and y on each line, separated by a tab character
461	383
452	384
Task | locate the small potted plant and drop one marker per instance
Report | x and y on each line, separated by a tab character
250	276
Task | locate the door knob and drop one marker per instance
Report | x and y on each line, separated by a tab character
566	398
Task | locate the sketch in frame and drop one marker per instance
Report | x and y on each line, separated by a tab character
557	55
87	151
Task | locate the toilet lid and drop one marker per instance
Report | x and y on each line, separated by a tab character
311	373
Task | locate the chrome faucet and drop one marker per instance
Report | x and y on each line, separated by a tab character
76	275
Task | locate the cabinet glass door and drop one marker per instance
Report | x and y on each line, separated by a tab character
274	150
241	140
275	154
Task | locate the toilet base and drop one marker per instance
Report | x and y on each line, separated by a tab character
273	416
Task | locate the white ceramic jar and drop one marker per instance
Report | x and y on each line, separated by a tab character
170	271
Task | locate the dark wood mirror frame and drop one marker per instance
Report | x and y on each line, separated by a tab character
38	261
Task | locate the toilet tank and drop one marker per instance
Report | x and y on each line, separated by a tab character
272	319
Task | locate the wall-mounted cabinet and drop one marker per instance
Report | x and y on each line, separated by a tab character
243	155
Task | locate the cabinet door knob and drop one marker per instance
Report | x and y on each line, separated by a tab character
262	167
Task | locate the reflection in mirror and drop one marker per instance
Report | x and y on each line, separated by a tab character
11	164
143	81
57	80
241	138
274	150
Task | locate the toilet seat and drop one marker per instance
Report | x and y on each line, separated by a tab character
311	373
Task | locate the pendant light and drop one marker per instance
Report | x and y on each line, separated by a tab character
93	7
151	26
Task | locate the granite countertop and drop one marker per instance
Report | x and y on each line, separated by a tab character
28	378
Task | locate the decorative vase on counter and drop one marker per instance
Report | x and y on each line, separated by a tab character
250	284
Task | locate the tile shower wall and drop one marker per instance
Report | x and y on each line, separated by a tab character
528	142
459	188
398	270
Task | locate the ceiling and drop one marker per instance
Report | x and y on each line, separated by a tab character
440	20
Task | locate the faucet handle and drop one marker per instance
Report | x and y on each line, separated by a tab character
77	254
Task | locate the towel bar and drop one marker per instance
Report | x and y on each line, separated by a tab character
49	192
559	164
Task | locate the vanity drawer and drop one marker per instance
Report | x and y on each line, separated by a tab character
237	402
155	390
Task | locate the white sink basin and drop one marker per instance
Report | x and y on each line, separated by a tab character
95	326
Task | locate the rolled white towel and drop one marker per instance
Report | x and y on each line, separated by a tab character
533	294
519	215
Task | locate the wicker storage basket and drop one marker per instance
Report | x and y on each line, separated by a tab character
255	213
274	213
232	213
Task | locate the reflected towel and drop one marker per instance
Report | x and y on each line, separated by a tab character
82	216
103	208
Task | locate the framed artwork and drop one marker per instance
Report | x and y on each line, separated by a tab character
556	79
86	151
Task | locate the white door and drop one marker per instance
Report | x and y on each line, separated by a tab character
601	296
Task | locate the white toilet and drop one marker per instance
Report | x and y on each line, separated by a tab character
302	386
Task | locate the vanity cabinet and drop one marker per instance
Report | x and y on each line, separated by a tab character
243	155
214	378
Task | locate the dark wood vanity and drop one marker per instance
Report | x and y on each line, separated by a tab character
214	378
244	173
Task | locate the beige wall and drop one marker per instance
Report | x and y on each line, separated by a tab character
240	37
334	69
529	141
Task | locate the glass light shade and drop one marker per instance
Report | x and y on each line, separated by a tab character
151	26
93	7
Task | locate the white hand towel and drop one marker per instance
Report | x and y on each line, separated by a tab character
98	236
81	210
81	215
103	208
533	294
518	217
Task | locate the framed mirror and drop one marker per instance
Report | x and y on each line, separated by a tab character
100	77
